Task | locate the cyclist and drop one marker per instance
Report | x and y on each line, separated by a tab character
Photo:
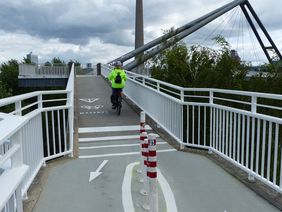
117	78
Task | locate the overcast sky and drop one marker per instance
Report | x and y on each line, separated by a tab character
101	30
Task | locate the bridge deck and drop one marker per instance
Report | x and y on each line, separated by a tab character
197	183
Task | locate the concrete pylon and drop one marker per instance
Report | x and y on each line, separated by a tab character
139	33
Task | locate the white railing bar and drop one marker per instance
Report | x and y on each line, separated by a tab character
275	153
269	106
253	143
59	129
243	140
263	147
248	142
53	132
9	154
188	124
230	134
13	99
248	113
234	136
231	100
155	80
199	123
280	168
55	100
47	133
258	146
55	108
205	123
216	129
227	133
193	124
220	131
269	149
57	155
238	138
196	96
65	134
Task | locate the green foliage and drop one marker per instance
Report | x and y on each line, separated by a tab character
9	77
58	62
26	60
204	67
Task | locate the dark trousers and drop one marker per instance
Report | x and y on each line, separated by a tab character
115	92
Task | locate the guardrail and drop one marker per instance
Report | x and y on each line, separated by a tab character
35	127
242	127
35	71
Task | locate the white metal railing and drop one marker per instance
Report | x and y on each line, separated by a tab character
242	127
35	127
35	71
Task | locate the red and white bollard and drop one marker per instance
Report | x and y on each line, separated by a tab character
152	173
142	121
145	189
143	158
142	129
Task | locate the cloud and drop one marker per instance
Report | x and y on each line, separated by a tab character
93	30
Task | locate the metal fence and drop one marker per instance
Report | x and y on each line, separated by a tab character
35	127
242	127
35	71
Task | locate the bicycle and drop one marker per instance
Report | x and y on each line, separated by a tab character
119	102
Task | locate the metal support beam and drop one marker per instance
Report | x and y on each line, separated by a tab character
264	31
169	35
185	33
139	34
255	31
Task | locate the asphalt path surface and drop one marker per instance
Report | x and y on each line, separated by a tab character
107	145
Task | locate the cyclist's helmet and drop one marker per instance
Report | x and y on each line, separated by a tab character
118	64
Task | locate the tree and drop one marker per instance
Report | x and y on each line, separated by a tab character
56	61
9	76
4	92
26	60
199	66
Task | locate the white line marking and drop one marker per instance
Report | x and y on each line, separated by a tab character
111	129
167	192
121	154
126	189
111	146
110	138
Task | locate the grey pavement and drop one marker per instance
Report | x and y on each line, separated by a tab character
198	184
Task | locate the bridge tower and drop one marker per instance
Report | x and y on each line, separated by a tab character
139	34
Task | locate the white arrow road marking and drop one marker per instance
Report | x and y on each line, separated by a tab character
89	100
95	174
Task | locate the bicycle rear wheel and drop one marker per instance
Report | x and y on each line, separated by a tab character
119	105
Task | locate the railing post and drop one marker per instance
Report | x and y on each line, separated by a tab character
40	103
182	95
18	107
158	86
211	97
70	117
254	104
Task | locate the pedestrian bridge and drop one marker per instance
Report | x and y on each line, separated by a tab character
218	150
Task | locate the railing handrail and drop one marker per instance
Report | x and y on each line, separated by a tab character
243	127
24	136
